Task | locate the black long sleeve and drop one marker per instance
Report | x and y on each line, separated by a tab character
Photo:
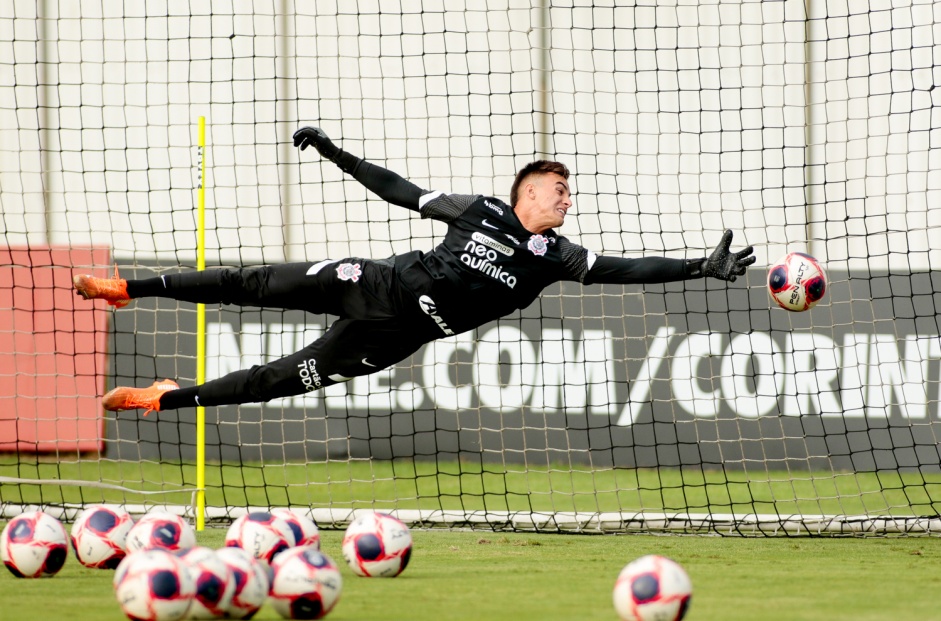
386	184
645	270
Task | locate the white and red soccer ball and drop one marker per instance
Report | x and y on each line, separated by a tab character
377	545
797	282
251	582
163	530
154	585
215	584
652	588
99	536
261	534
34	545
305	530
305	583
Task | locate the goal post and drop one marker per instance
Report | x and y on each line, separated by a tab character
690	407
199	507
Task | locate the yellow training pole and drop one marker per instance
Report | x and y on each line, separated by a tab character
201	333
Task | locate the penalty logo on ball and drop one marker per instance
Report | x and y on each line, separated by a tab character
797	282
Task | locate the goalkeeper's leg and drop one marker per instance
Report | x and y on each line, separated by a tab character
312	287
348	349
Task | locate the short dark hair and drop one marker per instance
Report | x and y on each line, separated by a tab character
539	167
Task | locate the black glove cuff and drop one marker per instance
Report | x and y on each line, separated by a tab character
694	268
347	162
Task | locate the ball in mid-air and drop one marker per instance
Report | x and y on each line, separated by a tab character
797	282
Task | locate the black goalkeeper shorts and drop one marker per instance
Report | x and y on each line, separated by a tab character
377	325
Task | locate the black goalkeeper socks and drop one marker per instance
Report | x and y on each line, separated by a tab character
204	286
180	398
146	288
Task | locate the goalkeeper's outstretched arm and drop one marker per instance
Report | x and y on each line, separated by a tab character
386	184
722	264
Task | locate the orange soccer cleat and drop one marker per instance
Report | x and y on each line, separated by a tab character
127	398
112	290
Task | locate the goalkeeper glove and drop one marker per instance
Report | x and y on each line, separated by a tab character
308	136
723	263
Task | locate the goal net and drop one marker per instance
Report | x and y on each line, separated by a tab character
690	407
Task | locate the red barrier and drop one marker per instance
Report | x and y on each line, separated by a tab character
53	357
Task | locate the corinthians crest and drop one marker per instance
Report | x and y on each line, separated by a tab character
537	244
349	271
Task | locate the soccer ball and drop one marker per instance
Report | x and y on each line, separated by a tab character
99	536
154	585
261	534
251	582
652	588
377	545
306	583
305	529
160	530
34	545
215	584
797	282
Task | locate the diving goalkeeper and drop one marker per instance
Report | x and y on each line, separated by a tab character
495	258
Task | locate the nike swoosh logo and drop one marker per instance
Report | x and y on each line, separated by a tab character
316	267
485	223
368	364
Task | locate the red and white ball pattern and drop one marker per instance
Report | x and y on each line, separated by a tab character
99	536
377	545
797	282
652	588
215	584
162	530
305	529
154	585
34	545
306	583
251	582
261	534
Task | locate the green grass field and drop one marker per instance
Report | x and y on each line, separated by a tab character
474	576
494	576
407	484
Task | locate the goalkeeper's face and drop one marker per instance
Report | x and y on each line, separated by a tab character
550	200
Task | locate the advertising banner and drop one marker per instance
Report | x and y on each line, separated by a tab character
683	374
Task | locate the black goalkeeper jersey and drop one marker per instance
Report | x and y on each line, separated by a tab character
488	265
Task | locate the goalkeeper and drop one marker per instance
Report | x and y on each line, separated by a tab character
495	258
